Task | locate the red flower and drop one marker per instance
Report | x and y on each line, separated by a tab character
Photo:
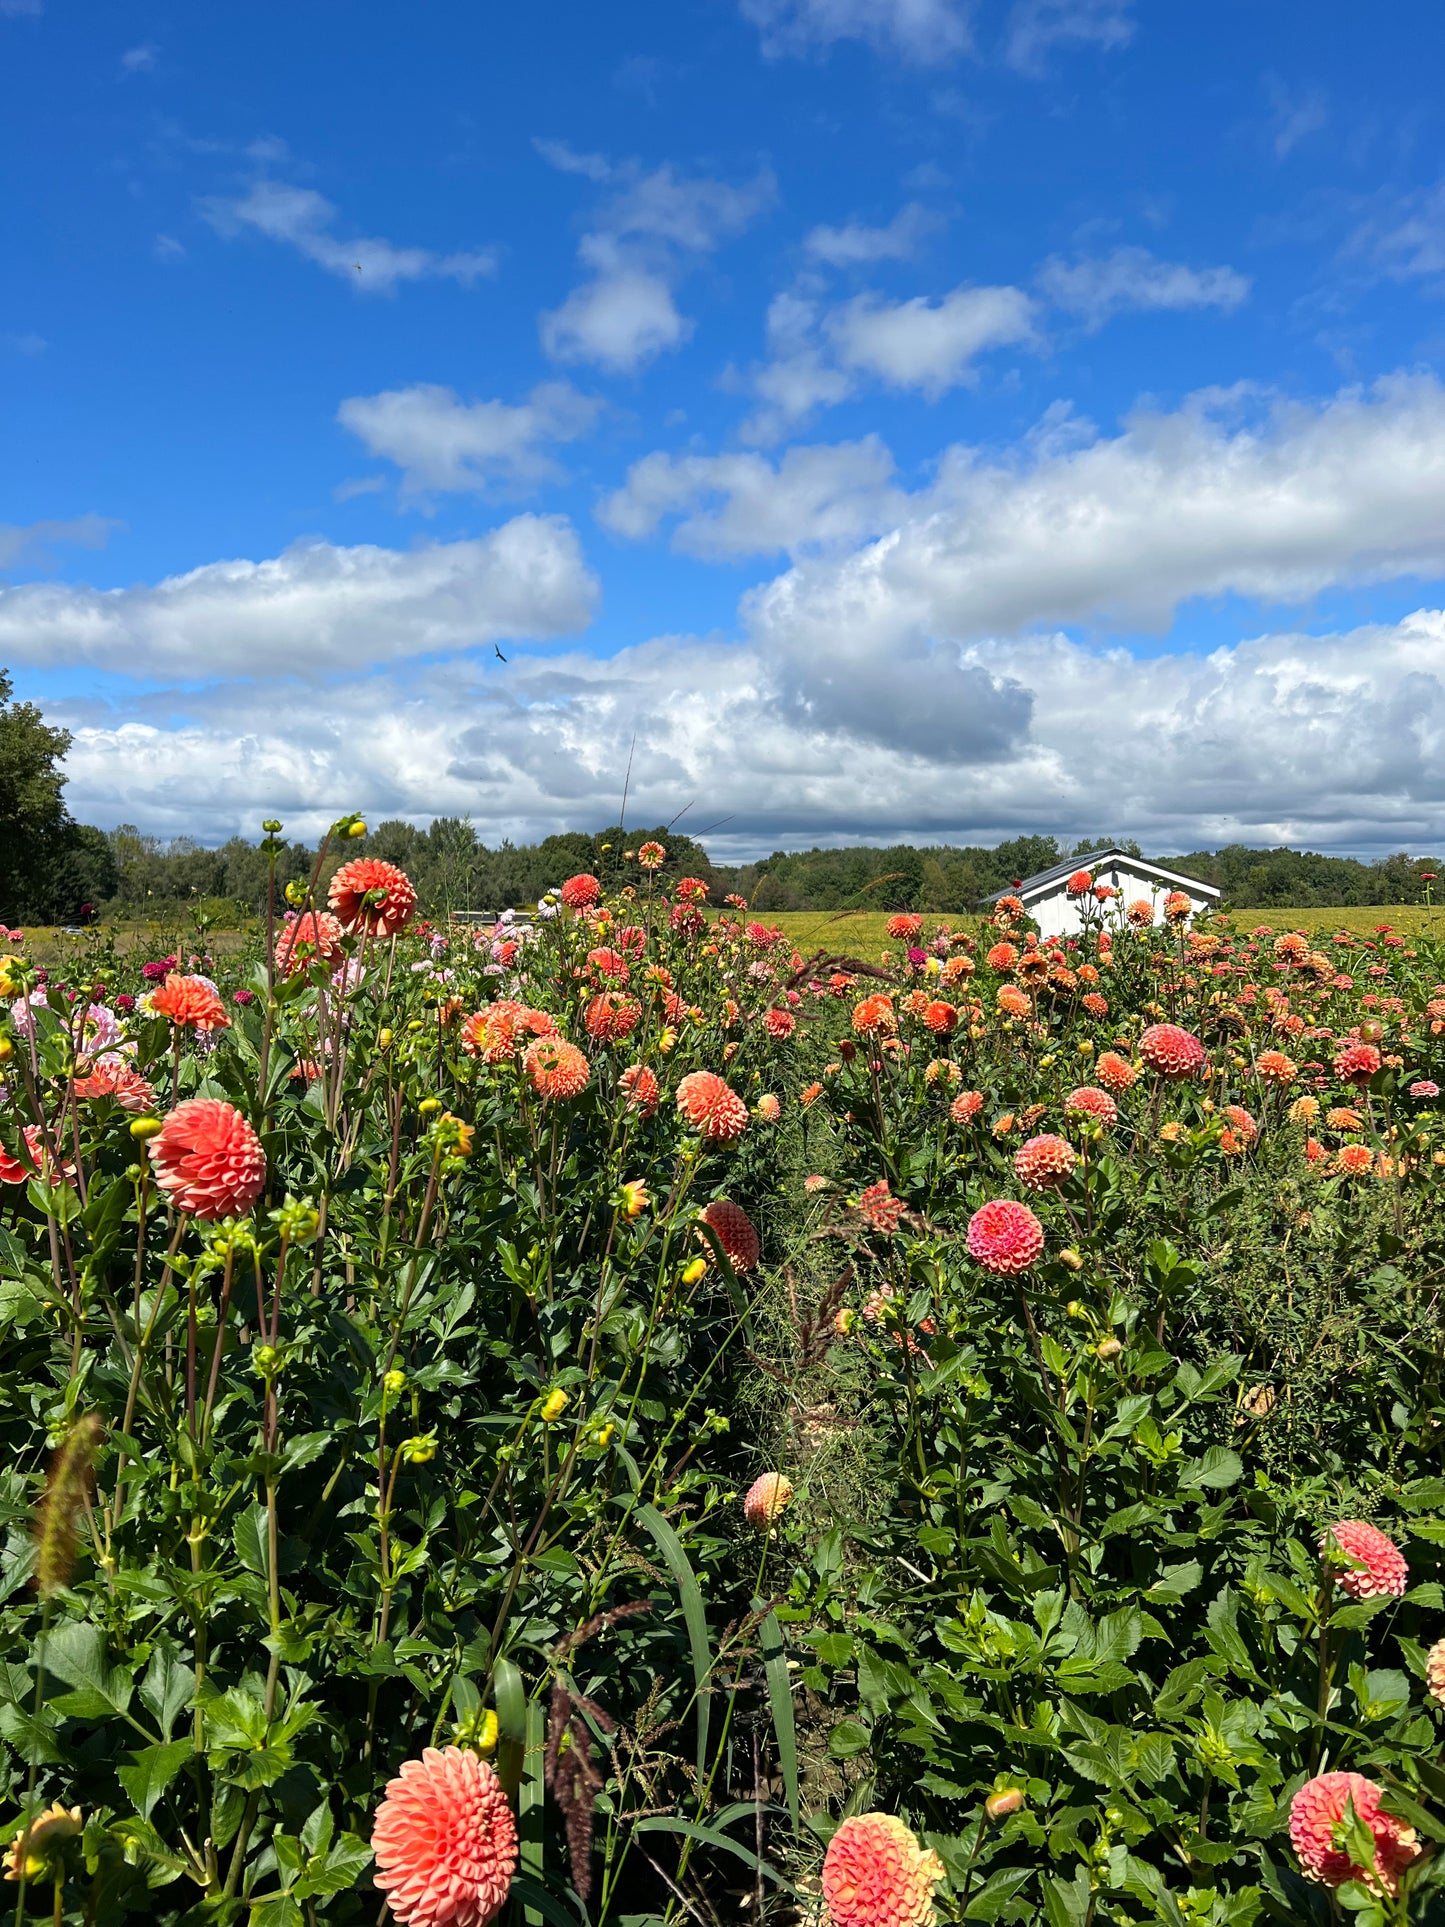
877	1206
1315	1817
208	1159
875	1874
736	1232
611	1016
191	1004
710	1107
445	1841
12	1171
1379	1570
639	1087
557	1069
581	892
766	1498
1090	1101
1172	1052
1005	1237
940	1017
1079	884
312	938
385	915
1044	1161
1357	1063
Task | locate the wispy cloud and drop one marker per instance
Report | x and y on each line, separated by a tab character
924	32
1036	27
443	443
855	245
1133	279
300	218
29	545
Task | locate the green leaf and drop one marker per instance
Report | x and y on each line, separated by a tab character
1218	1467
694	1617
535	1900
250	1538
510	1696
75	1653
780	1698
849	1738
151	1772
165	1692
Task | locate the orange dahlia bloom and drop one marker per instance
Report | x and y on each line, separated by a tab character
1293	946
1340	1117
810	1094
875	1874
1005	1237
1357	1063
710	1106
1096	1005
1002	956
1171	1051
190	1003
1012	1001
1042	1162
445	1841
611	1016
1275	1068
1090	1101
114	1077
874	1014
557	1069
878	1207
941	1070
905	927
1315	1817
1177	906
372	896
769	1108
1354	1161
1140	913
1378	1569
780	1023
1304	1110
581	892
651	856
736	1233
208	1159
315	937
1079	884
639	1087
610	963
766	1498
1007	911
966	1107
940	1017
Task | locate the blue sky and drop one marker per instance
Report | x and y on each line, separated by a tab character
900	417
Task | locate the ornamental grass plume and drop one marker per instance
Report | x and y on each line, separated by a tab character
372	896
1172	1052
445	1841
875	1874
1044	1161
766	1499
711	1107
1377	1569
1318	1816
191	1003
67	1486
208	1160
736	1232
557	1069
1005	1237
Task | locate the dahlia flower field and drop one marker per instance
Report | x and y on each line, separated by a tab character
609	1419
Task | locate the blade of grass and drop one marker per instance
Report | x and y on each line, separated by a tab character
695	1617
780	1698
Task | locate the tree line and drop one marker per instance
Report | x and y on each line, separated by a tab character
55	870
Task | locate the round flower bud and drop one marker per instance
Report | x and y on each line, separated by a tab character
554	1405
998	1806
420	1450
394	1384
1108	1348
693	1271
144	1127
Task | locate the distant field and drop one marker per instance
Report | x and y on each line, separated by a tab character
1407	920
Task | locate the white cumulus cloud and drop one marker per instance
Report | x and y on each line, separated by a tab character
856	245
303	219
313	610
443	443
1133	279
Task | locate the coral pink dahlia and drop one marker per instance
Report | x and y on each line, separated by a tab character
766	1498
1172	1052
1005	1237
1315	1818
445	1841
208	1159
710	1107
1379	1570
1044	1161
736	1232
875	1874
370	895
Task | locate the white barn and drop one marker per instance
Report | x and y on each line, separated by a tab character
1046	898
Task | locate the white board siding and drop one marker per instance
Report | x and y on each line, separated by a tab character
1057	914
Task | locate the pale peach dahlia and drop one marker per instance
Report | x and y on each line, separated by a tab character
875	1874
445	1841
710	1106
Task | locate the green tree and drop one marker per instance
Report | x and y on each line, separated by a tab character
34	823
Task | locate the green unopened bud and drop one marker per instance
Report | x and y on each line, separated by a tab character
1071	1259
295	893
358	828
998	1806
420	1450
394	1383
1108	1348
267	1360
429	1106
271	826
142	1128
298	1221
477	1730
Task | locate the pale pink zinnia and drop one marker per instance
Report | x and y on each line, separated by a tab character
445	1841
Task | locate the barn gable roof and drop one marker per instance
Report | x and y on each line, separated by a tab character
1095	861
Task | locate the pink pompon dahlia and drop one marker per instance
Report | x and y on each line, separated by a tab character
1172	1052
875	1874
1357	1063
1089	1101
710	1106
1042	1162
1114	1072
966	1107
373	896
1005	1237
310	939
766	1498
638	1085
1435	1672
208	1159
581	892
1316	1817
1379	1569
445	1841
736	1232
